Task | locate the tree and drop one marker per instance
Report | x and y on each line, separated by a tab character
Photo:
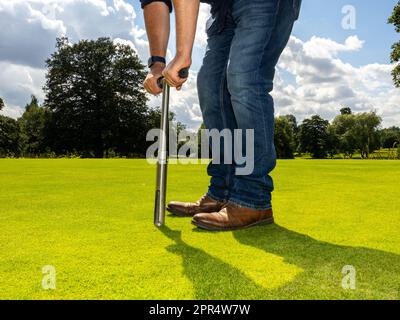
33	124
332	141
390	137
9	135
343	126
94	89
284	138
293	123
395	55
345	110
366	130
358	131
313	136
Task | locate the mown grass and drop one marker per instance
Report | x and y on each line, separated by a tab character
92	221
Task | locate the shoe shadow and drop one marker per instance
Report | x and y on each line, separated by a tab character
377	272
212	278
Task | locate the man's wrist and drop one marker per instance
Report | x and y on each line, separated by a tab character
184	53
184	57
157	66
155	59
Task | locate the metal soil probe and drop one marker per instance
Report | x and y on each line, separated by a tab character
162	159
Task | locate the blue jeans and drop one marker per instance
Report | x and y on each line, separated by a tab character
234	85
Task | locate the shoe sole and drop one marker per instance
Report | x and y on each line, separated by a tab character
178	213
182	214
210	228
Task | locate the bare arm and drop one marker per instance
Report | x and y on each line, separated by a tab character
157	21
186	13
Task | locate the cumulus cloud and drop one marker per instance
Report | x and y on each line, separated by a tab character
17	83
311	79
323	82
201	36
326	48
28	29
311	76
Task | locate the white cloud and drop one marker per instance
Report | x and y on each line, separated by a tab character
17	83
201	36
311	77
326	48
323	82
29	28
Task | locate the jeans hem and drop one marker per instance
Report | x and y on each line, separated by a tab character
248	205
210	195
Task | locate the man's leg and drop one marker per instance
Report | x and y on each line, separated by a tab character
215	101
217	112
263	29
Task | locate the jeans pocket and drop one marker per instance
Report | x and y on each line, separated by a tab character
296	8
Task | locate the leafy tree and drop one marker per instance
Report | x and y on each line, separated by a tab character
94	89
9	135
33	124
293	123
313	136
284	138
390	137
345	110
332	141
367	132
358	132
343	126
395	55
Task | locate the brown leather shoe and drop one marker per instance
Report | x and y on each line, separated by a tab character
189	209
232	217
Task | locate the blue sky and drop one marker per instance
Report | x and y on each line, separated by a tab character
323	18
323	68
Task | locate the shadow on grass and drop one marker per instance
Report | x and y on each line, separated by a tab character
211	277
321	262
377	272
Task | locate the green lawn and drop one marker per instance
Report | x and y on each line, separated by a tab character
93	221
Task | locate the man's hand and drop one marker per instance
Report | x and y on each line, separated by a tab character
186	13
171	72
150	83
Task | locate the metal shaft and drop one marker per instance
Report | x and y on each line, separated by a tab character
162	161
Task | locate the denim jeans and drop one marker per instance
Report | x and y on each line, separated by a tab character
234	85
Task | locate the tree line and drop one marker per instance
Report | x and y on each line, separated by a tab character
349	133
95	106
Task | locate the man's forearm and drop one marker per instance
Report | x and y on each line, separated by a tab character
186	12
157	20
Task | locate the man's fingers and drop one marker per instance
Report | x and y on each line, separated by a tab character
171	83
152	87
171	79
175	82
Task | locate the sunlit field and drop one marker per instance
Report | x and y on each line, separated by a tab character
92	220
